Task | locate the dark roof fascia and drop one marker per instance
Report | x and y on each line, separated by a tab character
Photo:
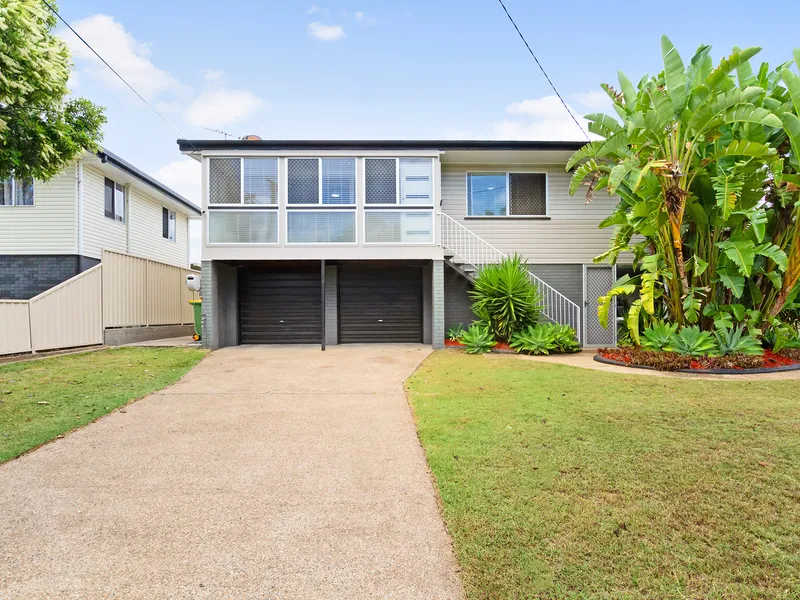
109	157
199	145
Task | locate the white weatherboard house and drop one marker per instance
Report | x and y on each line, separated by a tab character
377	241
51	231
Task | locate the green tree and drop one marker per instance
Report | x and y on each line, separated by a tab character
704	160
41	129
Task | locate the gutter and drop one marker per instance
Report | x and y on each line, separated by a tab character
194	145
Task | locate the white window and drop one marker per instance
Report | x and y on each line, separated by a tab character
321	226
242	226
399	226
243	181
16	192
506	194
398	181
168	224
327	181
114	200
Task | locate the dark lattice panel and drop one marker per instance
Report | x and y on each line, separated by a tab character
303	174
599	281
528	193
381	180
224	181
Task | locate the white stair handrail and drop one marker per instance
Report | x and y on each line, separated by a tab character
477	252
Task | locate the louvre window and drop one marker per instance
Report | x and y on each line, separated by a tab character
321	227
416	175
243	227
338	181
114	200
260	180
16	192
224	181
396	227
380	175
506	194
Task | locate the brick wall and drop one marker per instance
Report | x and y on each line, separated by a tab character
24	276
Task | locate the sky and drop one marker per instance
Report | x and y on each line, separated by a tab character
360	69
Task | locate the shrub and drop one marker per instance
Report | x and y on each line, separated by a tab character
505	297
658	335
692	341
735	341
672	361
566	339
455	332
534	339
478	340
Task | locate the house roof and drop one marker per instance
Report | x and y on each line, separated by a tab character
107	156
512	145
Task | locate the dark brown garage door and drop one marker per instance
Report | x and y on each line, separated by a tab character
280	306
380	304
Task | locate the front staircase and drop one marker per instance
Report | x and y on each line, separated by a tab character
467	253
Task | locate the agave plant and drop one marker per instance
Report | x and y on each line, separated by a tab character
705	162
534	339
733	340
505	297
658	335
478	340
455	332
693	342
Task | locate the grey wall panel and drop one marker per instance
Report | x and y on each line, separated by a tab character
457	304
567	279
226	297
331	305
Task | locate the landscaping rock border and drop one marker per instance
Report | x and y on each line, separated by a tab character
619	363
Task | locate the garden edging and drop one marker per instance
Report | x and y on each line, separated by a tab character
778	369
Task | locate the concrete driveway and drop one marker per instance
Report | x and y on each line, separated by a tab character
267	472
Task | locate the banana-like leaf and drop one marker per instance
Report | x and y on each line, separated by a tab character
604	125
648	291
582	172
791	123
674	74
633	320
796	54
727	189
758	219
719	77
621	287
732	281
774	253
653	164
746	148
691	308
741	253
744	72
615	145
587	151
628	91
792	82
775	278
617	174
698	265
747	113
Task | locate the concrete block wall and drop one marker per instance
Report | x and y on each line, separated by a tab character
207	285
331	305
438	304
24	276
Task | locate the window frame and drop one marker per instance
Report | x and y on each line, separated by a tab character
241	203
507	174
172	224
319	202
400	209
397	196
351	208
14	204
241	244
124	191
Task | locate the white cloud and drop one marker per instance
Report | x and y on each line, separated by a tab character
326	33
129	57
543	129
596	100
183	176
213	75
222	107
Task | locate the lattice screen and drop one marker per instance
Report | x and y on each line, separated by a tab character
224	181
381	180
599	281
528	193
303	174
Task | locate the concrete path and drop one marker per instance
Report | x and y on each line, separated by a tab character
267	472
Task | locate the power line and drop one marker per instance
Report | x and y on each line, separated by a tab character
541	68
113	70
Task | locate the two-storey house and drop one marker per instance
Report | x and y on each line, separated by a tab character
52	230
377	241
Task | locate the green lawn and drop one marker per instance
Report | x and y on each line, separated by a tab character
560	482
78	389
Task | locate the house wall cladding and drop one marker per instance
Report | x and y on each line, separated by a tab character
24	276
569	236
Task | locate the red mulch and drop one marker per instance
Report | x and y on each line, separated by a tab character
498	346
453	343
669	361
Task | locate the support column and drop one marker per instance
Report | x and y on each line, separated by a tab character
331	306
207	286
438	303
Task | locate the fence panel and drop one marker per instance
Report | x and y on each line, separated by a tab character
164	283
69	314
124	290
15	333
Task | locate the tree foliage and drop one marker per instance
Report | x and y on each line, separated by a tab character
704	161
41	129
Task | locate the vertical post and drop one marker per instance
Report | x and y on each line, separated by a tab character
322	292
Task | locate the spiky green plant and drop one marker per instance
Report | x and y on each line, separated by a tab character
478	340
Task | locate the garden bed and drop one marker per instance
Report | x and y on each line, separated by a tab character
738	364
501	347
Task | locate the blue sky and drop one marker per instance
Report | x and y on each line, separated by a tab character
367	69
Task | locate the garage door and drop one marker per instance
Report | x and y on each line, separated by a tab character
280	306
380	304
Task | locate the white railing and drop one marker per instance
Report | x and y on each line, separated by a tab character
471	249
